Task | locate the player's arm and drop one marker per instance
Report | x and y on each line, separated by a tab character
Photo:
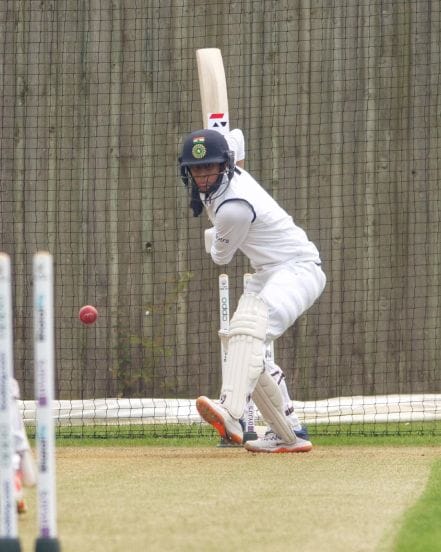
232	224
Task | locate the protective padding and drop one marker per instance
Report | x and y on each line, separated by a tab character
245	353
224	335
269	400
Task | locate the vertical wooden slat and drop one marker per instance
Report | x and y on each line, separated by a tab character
339	104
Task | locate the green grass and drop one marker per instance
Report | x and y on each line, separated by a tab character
421	526
212	440
368	434
380	440
195	436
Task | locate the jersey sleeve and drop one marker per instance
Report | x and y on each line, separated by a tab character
232	223
236	142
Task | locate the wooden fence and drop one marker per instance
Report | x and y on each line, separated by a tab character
340	105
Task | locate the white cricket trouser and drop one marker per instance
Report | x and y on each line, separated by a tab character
288	292
21	442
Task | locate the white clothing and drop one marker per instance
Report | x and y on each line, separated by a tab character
246	217
23	459
236	143
21	442
288	275
288	291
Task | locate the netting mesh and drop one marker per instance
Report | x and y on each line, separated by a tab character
340	106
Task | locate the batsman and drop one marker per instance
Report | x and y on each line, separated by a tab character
287	280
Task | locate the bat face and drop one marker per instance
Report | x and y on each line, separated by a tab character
213	89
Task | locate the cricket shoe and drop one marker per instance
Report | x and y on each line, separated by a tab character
271	442
19	498
226	443
302	433
216	415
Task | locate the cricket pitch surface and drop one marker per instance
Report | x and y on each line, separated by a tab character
170	499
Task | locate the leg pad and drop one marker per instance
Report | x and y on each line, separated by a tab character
269	401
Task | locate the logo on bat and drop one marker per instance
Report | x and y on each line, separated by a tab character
218	121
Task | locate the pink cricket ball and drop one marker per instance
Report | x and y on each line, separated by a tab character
88	314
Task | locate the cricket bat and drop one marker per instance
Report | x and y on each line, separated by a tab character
213	89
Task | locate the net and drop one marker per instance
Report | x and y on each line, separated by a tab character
340	105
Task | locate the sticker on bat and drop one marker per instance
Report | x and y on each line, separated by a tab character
219	122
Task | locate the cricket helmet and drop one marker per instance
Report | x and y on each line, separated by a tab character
203	147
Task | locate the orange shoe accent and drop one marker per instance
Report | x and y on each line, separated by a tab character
214	418
21	504
303	449
22	507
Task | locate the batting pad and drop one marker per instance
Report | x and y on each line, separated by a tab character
269	400
245	353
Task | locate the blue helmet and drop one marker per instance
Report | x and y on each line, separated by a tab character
203	147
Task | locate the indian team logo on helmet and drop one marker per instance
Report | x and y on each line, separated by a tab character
199	151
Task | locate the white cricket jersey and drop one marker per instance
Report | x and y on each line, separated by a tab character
236	143
247	218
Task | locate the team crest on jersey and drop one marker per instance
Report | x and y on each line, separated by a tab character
199	151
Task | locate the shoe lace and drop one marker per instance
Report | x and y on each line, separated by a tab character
270	435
